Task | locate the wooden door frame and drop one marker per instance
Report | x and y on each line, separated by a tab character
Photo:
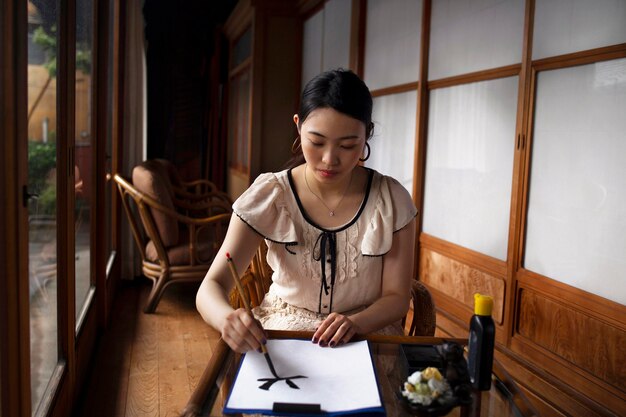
14	333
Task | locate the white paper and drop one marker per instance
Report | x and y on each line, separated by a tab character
339	379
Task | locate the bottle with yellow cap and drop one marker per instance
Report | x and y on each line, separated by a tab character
482	334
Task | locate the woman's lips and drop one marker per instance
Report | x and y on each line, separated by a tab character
326	174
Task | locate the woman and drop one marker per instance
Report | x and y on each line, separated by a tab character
340	236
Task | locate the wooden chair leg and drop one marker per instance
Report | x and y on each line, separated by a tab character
156	293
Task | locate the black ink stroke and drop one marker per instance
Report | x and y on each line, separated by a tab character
271	381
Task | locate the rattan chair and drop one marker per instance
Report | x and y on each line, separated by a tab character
174	246
255	281
423	320
191	191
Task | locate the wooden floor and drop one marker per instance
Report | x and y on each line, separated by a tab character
148	364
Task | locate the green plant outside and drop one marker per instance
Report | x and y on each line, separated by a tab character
41	180
48	41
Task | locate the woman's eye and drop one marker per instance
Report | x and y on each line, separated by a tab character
348	146
316	144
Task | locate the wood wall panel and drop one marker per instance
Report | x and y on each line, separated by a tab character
460	281
550	397
581	339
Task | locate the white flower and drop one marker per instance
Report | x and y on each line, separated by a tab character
423	387
437	387
415	378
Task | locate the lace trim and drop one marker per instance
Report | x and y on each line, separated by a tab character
348	254
276	314
352	254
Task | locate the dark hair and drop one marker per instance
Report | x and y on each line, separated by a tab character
341	90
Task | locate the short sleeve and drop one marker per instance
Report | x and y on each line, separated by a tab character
394	209
262	207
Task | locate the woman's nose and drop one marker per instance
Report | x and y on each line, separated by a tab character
330	156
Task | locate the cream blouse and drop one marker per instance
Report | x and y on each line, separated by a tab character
318	269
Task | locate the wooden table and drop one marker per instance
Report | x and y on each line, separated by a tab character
503	400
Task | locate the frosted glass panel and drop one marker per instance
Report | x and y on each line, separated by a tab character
312	46
326	39
565	26
576	223
469	164
337	16
393	143
392	42
468	36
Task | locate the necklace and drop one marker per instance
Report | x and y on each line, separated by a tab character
331	212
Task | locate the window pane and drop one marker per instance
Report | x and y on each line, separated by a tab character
393	143
239	120
326	39
312	46
467	36
111	106
243	113
242	48
392	42
42	211
469	164
84	142
577	202
337	17
565	26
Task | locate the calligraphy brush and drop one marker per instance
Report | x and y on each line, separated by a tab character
233	271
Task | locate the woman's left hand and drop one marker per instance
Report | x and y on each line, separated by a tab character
335	330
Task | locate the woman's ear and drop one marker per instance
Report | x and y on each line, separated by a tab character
296	120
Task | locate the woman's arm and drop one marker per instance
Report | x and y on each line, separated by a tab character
390	307
238	329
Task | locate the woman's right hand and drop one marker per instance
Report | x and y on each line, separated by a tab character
242	332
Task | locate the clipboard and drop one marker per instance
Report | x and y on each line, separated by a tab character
328	381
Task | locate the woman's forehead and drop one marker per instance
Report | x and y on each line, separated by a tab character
320	120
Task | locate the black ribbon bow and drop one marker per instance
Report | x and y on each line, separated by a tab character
326	245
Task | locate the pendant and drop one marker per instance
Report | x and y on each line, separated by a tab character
331	214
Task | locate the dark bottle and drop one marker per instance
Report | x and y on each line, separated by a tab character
482	334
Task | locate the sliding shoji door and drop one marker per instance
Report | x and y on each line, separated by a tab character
326	39
391	71
571	296
473	70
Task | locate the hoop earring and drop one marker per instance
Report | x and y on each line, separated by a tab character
367	145
295	146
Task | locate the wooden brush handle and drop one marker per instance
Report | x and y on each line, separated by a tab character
242	293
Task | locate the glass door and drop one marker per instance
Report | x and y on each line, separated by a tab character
61	172
112	100
50	305
84	145
42	185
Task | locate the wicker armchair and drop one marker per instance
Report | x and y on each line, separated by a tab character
174	246
255	281
191	191
423	320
